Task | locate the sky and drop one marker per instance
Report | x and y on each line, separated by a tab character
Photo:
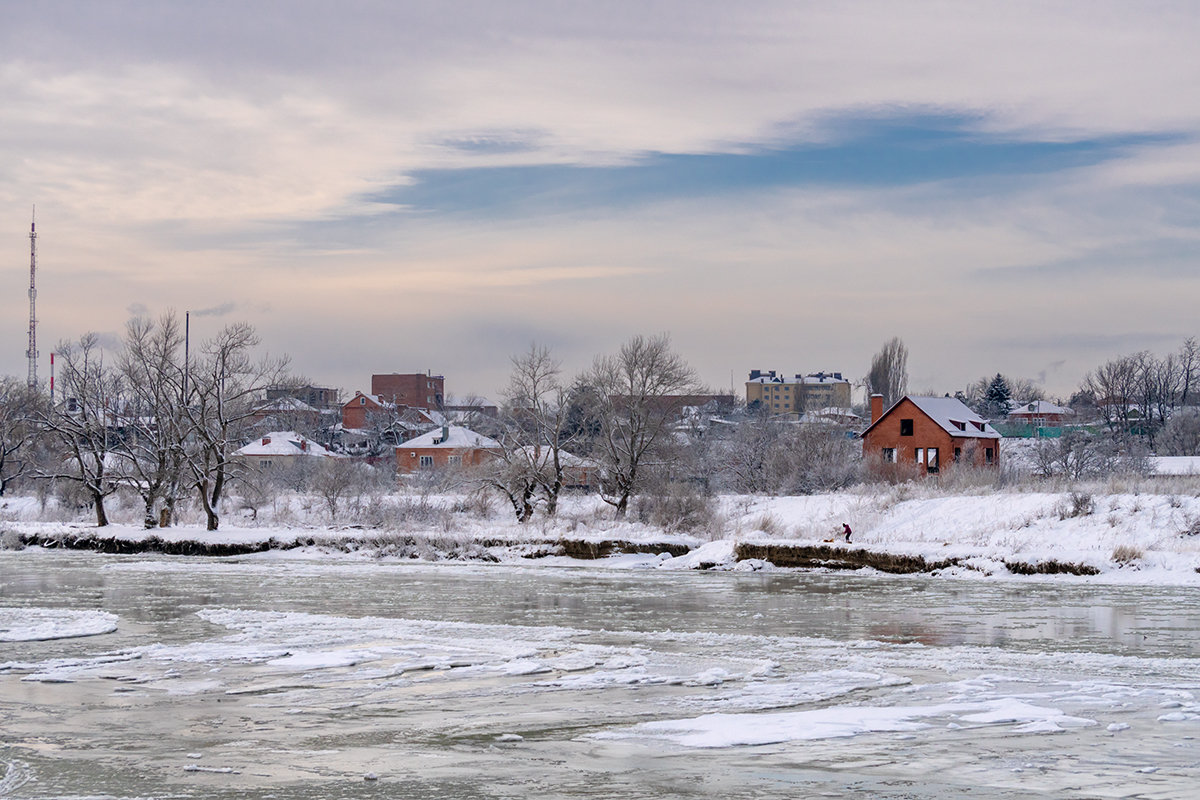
408	187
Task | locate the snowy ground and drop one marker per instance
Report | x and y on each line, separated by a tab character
1147	531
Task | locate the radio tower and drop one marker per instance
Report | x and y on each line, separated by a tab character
32	352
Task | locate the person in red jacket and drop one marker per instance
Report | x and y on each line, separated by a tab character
846	530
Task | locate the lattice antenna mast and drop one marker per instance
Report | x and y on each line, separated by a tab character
32	352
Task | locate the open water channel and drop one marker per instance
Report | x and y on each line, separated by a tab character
271	678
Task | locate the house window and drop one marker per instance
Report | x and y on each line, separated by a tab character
889	455
989	455
362	401
920	455
957	453
931	459
906	427
455	461
426	462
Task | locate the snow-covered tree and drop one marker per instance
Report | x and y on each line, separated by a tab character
20	408
226	386
151	455
85	425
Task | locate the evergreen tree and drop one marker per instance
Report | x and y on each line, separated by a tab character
996	401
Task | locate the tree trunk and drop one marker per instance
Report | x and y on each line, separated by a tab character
210	511
150	519
101	516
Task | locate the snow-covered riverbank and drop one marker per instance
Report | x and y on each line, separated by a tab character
1125	536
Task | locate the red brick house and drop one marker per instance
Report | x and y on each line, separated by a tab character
449	446
929	433
414	390
356	409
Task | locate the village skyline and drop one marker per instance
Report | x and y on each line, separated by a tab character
391	187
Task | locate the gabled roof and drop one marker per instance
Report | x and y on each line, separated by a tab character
377	399
284	443
456	437
950	414
1040	407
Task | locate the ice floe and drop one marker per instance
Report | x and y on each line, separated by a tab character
42	624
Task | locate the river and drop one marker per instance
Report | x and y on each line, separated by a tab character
291	678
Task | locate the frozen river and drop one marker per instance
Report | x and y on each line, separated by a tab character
138	677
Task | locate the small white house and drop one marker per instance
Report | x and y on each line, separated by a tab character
281	448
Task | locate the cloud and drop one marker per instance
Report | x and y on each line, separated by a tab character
216	311
776	183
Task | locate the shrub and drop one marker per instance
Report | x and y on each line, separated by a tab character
1077	504
1125	554
678	509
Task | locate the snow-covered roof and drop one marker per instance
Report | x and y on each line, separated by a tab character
818	378
542	456
953	416
284	443
377	399
1040	407
950	414
454	436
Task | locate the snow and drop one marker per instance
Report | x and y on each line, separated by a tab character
1143	533
1176	465
457	437
732	730
41	624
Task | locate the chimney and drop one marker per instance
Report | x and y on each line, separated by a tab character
445	432
876	407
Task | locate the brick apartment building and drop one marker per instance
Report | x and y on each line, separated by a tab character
415	390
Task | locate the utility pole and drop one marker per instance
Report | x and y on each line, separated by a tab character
32	352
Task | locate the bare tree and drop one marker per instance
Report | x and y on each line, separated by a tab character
1114	387
639	393
20	409
1078	454
226	385
86	425
1181	435
334	479
152	453
770	456
888	375
531	434
1189	369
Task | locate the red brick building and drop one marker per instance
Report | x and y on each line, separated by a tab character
414	390
928	433
356	410
449	446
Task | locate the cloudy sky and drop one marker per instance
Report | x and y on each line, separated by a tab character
399	186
